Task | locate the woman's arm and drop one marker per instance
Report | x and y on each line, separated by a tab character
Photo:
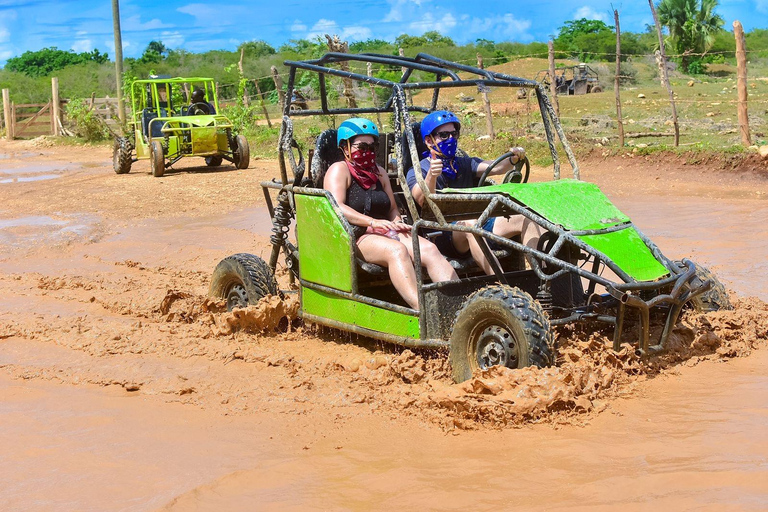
337	180
394	212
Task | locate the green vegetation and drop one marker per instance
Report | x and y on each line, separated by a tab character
693	25
48	60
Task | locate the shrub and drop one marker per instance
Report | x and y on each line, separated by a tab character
85	123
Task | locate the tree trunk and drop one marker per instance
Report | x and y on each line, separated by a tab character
665	78
741	76
616	80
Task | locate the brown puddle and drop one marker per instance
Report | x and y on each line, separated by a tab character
125	387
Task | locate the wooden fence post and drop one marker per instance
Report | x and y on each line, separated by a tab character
55	107
552	80
280	92
403	69
369	71
8	113
335	44
664	75
486	102
616	80
741	76
261	102
242	77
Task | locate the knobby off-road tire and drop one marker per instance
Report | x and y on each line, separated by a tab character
500	325
714	299
213	161
157	159
596	89
122	155
242	153
242	279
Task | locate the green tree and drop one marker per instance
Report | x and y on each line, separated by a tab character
255	49
44	62
692	24
154	53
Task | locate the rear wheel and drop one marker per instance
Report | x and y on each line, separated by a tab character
242	279
157	159
714	299
121	155
213	161
500	325
596	89
242	154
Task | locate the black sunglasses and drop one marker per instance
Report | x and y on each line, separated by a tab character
446	135
364	146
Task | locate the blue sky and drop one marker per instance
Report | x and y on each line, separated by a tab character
197	26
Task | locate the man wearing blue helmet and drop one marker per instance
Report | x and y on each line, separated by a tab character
365	197
441	168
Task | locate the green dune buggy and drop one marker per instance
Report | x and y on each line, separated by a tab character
592	264
170	121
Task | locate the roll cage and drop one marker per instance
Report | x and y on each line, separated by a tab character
669	286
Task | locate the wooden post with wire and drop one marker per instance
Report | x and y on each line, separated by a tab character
369	71
616	80
55	107
280	92
741	83
403	69
552	80
261	102
242	78
484	89
664	74
8	114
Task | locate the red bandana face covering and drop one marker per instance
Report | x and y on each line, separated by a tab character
362	166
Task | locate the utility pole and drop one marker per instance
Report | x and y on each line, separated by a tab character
118	59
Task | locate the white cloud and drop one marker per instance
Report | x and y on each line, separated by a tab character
82	45
172	39
134	23
428	22
5	55
400	9
5	35
590	14
497	28
298	26
324	26
762	6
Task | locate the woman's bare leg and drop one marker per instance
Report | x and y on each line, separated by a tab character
393	255
438	268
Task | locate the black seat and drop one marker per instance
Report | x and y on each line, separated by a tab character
148	115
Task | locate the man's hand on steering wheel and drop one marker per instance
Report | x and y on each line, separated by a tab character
520	171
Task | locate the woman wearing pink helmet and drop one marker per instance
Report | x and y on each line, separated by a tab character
441	168
364	194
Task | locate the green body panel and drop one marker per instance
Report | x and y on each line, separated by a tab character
579	206
204	140
575	205
352	312
324	244
629	252
173	146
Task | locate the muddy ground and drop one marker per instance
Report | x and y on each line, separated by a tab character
123	387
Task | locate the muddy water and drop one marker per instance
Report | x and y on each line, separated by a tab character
689	439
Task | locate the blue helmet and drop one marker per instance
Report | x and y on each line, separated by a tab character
435	119
354	127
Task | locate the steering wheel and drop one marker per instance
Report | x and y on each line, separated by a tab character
197	109
519	174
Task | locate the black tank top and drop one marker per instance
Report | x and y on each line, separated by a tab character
373	202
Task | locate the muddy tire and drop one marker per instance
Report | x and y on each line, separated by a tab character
714	299
213	161
242	279
122	155
242	153
157	159
500	325
596	89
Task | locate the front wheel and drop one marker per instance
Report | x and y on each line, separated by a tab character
122	155
714	299
243	280
500	325
213	161
157	159
242	156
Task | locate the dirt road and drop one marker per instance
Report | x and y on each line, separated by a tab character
123	388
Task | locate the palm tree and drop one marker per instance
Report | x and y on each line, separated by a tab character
692	26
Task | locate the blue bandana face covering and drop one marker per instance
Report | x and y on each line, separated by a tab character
446	151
